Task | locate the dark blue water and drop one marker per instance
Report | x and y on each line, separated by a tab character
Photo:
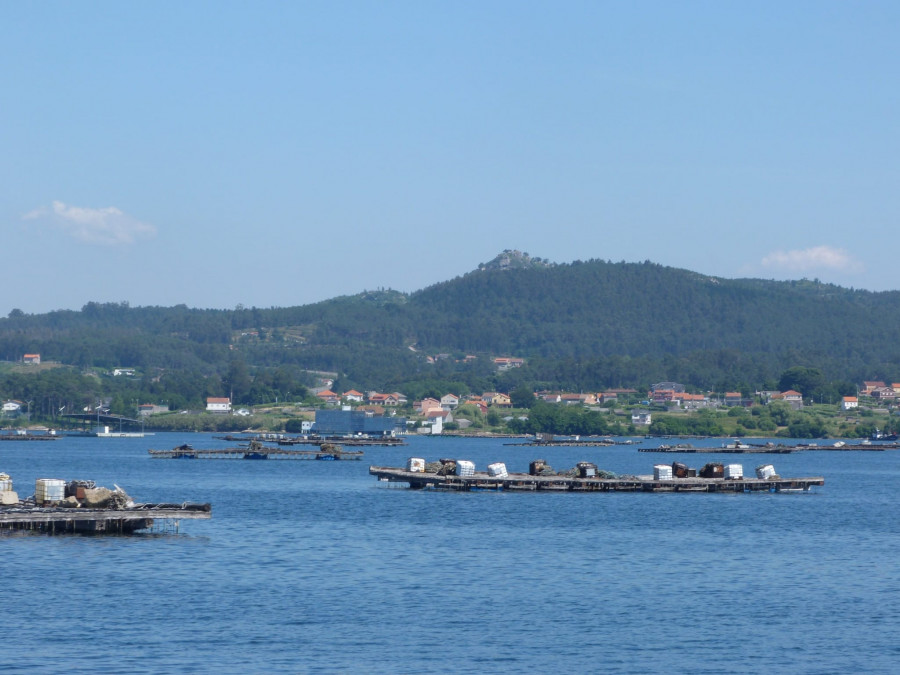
316	567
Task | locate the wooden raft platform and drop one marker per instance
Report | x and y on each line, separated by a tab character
527	482
773	449
255	452
751	450
59	520
281	439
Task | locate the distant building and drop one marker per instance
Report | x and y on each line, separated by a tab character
32	358
329	397
377	398
849	403
12	407
353	422
791	397
218	405
691	401
662	396
884	393
426	404
641	418
672	386
870	386
493	398
733	398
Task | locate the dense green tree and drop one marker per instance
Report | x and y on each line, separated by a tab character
522	397
802	379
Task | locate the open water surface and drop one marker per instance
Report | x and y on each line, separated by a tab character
317	567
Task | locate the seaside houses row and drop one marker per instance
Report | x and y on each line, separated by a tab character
878	390
373	398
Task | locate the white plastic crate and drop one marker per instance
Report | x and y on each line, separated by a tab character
498	470
662	472
49	490
465	468
734	471
765	471
415	465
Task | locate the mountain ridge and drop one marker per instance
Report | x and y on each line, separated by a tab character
594	313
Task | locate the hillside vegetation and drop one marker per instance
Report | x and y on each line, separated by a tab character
581	326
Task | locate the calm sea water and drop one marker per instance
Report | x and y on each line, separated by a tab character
317	567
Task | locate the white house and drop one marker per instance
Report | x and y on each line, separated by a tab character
12	407
449	401
640	418
849	402
218	405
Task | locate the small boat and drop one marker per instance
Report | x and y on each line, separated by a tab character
879	435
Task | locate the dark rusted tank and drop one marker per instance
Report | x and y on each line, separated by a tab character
587	470
536	467
713	470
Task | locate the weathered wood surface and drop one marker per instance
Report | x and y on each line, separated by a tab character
255	453
308	440
773	449
526	482
752	450
59	519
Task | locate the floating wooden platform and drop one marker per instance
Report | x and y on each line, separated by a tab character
771	449
59	520
567	444
742	450
28	437
280	439
527	482
256	452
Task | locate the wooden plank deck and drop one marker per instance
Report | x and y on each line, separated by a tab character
114	521
255	453
527	482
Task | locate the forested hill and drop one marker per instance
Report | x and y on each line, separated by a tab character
596	307
576	323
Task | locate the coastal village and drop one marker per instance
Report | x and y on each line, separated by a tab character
435	415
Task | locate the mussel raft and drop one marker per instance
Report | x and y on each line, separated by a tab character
79	506
459	475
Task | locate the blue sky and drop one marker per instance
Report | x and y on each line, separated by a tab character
282	153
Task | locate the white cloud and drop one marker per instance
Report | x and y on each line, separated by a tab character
109	225
810	259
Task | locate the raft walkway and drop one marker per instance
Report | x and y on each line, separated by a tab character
526	482
258	452
771	449
281	439
62	520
